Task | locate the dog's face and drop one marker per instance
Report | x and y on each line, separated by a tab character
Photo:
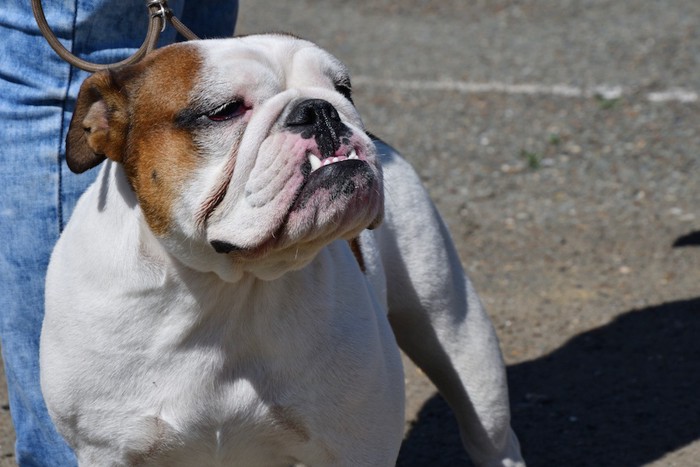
244	154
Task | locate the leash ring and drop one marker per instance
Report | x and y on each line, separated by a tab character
161	13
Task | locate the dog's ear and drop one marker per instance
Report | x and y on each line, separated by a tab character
98	128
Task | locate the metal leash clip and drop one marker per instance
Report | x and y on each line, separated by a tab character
163	11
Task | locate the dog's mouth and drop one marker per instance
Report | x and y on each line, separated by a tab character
333	173
326	180
333	196
316	162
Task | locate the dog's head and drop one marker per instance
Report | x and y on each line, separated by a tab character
245	154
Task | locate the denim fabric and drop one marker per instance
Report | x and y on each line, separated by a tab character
37	191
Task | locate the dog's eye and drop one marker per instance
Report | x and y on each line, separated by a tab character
345	89
228	111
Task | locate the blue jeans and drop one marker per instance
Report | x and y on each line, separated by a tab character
37	191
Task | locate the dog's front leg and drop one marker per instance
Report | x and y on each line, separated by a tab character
438	319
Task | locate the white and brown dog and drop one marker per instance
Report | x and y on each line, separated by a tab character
217	299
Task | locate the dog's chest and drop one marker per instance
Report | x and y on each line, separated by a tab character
262	385
206	405
233	425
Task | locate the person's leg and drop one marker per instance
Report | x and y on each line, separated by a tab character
32	98
37	191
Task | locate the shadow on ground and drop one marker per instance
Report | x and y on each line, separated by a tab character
624	394
690	239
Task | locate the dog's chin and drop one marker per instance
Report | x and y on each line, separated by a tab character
336	201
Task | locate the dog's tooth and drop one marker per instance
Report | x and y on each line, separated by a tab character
314	161
335	159
353	155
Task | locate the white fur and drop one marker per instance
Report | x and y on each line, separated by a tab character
151	359
140	351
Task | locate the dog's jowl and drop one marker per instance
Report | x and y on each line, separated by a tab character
234	288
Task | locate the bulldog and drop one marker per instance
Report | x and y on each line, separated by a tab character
226	292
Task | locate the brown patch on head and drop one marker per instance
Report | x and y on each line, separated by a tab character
129	116
161	154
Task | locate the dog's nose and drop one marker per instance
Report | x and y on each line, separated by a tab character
312	113
316	118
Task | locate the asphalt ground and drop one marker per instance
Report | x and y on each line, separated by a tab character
560	142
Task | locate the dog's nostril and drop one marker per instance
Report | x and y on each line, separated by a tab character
223	247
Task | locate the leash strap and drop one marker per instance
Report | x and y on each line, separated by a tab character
160	14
